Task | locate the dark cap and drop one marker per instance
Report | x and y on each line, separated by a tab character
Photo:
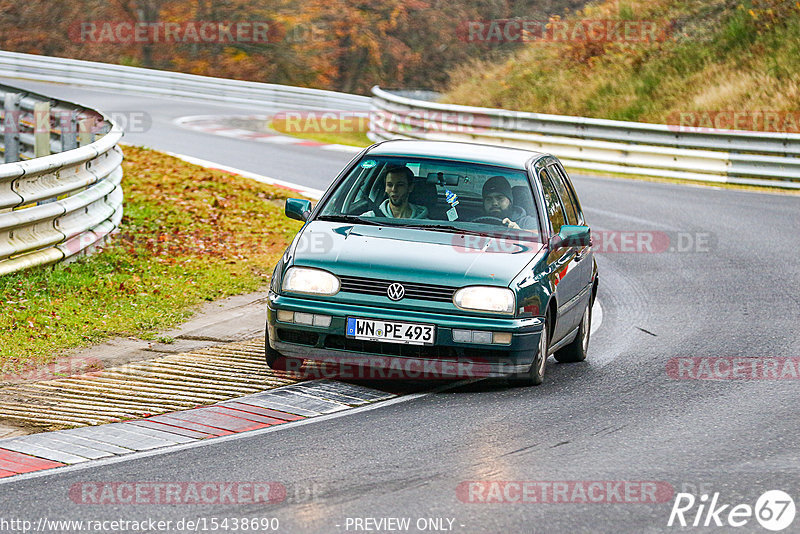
497	184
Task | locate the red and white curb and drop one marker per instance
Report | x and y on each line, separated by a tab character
264	411
297	402
309	192
215	125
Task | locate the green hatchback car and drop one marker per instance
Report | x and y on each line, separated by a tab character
437	259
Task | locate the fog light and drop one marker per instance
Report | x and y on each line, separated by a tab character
481	337
286	316
462	336
322	320
304	318
501	338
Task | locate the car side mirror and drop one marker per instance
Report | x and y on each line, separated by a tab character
298	209
571	236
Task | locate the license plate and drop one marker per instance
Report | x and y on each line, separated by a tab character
391	331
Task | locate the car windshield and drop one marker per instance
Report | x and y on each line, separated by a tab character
438	194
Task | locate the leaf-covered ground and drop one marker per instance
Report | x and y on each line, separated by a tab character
189	235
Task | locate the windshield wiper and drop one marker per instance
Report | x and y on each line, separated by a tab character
449	228
501	232
347	219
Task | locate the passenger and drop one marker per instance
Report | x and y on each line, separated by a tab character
497	203
399	183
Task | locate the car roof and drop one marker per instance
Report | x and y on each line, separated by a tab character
487	154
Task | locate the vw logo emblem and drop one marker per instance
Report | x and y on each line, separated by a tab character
396	291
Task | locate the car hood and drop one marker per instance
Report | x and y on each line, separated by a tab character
411	254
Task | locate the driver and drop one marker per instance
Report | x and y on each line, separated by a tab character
497	202
399	183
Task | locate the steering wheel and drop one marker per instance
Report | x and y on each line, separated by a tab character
375	207
488	219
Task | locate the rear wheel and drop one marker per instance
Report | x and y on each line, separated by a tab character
576	351
535	374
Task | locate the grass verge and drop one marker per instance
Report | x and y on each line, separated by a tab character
709	56
189	235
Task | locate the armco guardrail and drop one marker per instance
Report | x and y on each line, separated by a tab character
751	158
60	192
164	83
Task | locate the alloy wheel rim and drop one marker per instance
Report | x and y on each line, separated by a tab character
542	351
586	329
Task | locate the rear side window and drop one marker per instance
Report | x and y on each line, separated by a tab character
555	211
564	193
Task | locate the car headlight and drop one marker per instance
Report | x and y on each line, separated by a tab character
485	298
310	281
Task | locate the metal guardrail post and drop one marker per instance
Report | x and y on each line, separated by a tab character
41	130
68	123
85	135
11	106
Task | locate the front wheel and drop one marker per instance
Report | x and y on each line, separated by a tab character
279	362
576	351
535	374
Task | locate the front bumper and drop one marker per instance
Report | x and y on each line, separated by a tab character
444	359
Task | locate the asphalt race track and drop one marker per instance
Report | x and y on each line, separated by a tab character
714	278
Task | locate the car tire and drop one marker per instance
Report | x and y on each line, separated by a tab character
576	350
535	374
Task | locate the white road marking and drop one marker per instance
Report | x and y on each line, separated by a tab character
278	139
342	148
315	194
212	124
597	317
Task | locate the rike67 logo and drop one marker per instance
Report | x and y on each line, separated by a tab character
774	510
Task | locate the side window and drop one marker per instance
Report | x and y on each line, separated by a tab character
566	198
573	198
555	211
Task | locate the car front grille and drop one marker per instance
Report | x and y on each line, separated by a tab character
297	337
373	286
